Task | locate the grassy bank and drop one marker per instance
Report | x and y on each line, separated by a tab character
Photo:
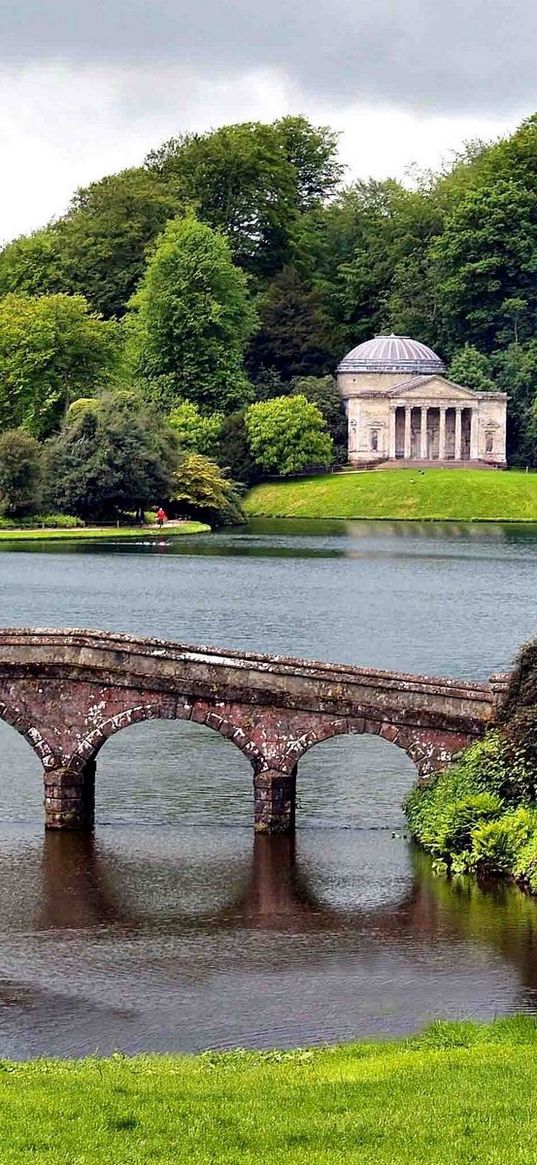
459	1093
89	533
433	494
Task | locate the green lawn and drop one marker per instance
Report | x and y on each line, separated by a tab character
458	1094
431	494
88	533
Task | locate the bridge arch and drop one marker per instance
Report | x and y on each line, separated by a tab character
68	691
428	750
216	717
28	731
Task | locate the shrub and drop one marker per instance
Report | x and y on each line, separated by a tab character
38	521
525	868
442	815
461	817
496	845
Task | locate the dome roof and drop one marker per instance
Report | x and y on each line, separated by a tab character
392	354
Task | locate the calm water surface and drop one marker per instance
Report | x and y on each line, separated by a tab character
172	928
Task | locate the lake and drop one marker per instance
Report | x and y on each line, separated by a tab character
172	928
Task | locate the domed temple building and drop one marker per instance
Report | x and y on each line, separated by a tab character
402	408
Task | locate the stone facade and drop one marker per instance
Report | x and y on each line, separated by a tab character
419	417
67	692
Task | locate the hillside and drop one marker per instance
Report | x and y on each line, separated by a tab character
428	495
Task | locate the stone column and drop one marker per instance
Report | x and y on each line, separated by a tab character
458	434
274	801
474	435
408	433
391	433
423	433
70	798
442	435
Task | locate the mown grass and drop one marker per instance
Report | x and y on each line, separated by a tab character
459	1093
431	494
89	533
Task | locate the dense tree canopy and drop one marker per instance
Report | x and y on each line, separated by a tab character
251	181
288	434
195	432
111	457
191	319
244	250
52	350
472	368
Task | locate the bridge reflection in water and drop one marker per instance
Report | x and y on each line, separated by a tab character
183	938
82	889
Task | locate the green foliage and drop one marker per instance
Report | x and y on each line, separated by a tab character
99	248
495	845
442	814
201	490
472	369
251	182
233	449
480	814
293	334
461	818
484	259
323	392
119	457
52	350
105	236
287	435
195	432
42	521
20	473
191	319
32	265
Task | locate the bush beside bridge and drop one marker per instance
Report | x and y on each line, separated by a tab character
480	815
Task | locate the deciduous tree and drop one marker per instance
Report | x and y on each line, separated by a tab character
201	490
288	434
191	319
113	459
52	350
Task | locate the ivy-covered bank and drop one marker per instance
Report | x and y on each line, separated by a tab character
480	815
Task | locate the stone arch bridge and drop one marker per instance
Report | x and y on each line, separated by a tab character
68	691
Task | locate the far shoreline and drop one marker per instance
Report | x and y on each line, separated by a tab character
95	533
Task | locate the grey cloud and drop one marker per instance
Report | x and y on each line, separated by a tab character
432	55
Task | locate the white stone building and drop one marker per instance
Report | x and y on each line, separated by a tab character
401	407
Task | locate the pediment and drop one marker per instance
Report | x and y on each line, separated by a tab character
430	388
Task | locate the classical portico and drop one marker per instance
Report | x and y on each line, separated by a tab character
402	408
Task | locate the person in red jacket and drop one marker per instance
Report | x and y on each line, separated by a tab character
161	517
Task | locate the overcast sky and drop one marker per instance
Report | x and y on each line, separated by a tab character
89	86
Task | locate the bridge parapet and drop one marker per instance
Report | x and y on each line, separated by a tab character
68	691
